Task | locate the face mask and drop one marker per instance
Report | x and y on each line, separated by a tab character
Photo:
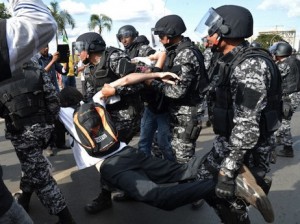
170	46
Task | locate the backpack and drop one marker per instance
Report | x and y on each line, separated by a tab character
95	129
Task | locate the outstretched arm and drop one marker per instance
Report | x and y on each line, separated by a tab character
133	78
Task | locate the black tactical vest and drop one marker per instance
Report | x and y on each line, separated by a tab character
102	73
222	99
194	94
22	96
4	54
134	50
291	82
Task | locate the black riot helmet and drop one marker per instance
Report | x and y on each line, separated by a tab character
91	42
255	44
171	26
281	49
229	21
127	31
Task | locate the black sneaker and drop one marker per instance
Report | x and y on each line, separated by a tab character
287	151
247	189
23	200
99	204
121	196
198	204
208	123
50	151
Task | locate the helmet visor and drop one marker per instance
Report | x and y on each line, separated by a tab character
158	31
273	48
124	34
209	24
81	46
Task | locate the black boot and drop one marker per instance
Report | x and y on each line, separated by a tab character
102	202
23	199
65	217
235	213
287	151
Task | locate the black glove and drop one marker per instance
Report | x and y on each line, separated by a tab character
225	187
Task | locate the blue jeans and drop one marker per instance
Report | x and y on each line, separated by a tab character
69	81
149	124
15	215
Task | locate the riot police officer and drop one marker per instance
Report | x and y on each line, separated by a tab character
186	60
28	103
246	96
289	67
135	45
155	123
106	65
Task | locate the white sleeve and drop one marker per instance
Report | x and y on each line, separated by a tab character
29	29
97	99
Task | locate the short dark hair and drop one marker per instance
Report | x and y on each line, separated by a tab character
70	96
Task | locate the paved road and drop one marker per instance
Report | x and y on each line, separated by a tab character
79	187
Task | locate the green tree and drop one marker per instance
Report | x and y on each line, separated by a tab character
101	21
4	14
62	18
267	40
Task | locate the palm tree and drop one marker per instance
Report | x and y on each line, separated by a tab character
4	13
102	21
63	18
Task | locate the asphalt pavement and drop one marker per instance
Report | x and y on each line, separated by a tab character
81	186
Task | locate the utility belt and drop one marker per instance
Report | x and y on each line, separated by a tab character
16	124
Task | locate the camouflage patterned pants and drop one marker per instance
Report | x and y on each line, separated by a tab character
36	175
283	134
185	131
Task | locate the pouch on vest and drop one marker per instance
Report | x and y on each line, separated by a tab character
95	130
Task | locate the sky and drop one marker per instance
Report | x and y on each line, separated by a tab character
268	15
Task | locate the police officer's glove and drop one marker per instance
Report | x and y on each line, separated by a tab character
225	187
